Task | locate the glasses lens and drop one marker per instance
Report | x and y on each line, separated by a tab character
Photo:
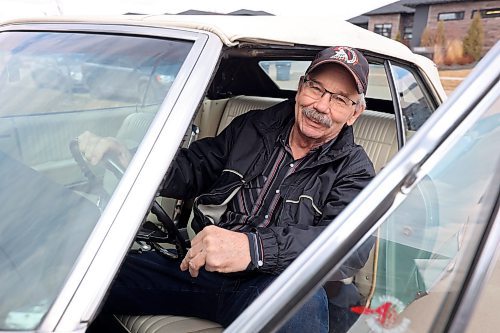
313	89
339	100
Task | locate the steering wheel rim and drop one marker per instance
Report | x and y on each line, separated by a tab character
108	161
113	166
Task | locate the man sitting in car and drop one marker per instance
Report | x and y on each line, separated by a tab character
264	189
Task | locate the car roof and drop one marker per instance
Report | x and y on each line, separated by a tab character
263	29
233	30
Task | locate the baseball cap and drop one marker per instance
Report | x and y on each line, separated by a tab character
350	58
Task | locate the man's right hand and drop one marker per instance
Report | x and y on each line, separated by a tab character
94	147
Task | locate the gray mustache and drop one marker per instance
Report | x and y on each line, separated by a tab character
317	116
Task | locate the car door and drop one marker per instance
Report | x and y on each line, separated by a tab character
63	235
434	213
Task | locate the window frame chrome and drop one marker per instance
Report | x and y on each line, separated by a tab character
396	102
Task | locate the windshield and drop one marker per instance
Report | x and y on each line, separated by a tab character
53	87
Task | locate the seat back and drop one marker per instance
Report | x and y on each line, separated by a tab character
239	105
375	131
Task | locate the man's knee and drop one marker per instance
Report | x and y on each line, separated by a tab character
311	317
318	303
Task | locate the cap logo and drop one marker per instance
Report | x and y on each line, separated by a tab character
346	55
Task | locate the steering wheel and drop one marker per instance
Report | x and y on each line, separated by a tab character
108	161
149	232
153	235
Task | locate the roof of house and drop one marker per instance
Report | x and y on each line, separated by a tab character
241	12
415	3
397	7
197	12
404	7
361	19
249	12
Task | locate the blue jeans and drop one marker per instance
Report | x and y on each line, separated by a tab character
151	284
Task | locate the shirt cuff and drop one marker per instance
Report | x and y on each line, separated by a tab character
256	253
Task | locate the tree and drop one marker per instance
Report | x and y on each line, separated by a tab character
473	41
398	37
454	52
440	35
427	38
439	44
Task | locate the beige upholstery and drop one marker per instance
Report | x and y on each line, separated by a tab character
375	131
209	117
241	104
167	324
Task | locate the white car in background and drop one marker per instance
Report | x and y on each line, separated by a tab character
66	226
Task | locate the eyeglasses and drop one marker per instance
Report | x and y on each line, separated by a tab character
316	91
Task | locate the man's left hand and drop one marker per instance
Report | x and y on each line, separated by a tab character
219	250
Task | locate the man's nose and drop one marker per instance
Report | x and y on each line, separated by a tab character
323	104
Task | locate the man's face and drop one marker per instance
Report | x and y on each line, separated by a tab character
320	119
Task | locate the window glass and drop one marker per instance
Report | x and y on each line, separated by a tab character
451	16
286	74
53	87
427	243
408	33
483	319
487	13
383	29
416	109
378	85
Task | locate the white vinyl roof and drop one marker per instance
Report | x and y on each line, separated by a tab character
232	30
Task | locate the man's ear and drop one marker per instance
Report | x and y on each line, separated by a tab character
301	81
357	112
299	87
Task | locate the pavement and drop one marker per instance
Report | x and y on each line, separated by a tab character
450	79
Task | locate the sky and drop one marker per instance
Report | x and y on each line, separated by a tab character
324	8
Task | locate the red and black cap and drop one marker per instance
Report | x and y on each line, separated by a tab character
350	58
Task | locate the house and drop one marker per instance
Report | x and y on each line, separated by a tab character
406	20
240	12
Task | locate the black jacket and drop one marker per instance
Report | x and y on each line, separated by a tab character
213	169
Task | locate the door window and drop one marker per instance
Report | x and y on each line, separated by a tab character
414	104
53	87
286	74
484	319
378	85
426	244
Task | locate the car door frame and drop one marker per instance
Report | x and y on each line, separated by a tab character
433	96
101	257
